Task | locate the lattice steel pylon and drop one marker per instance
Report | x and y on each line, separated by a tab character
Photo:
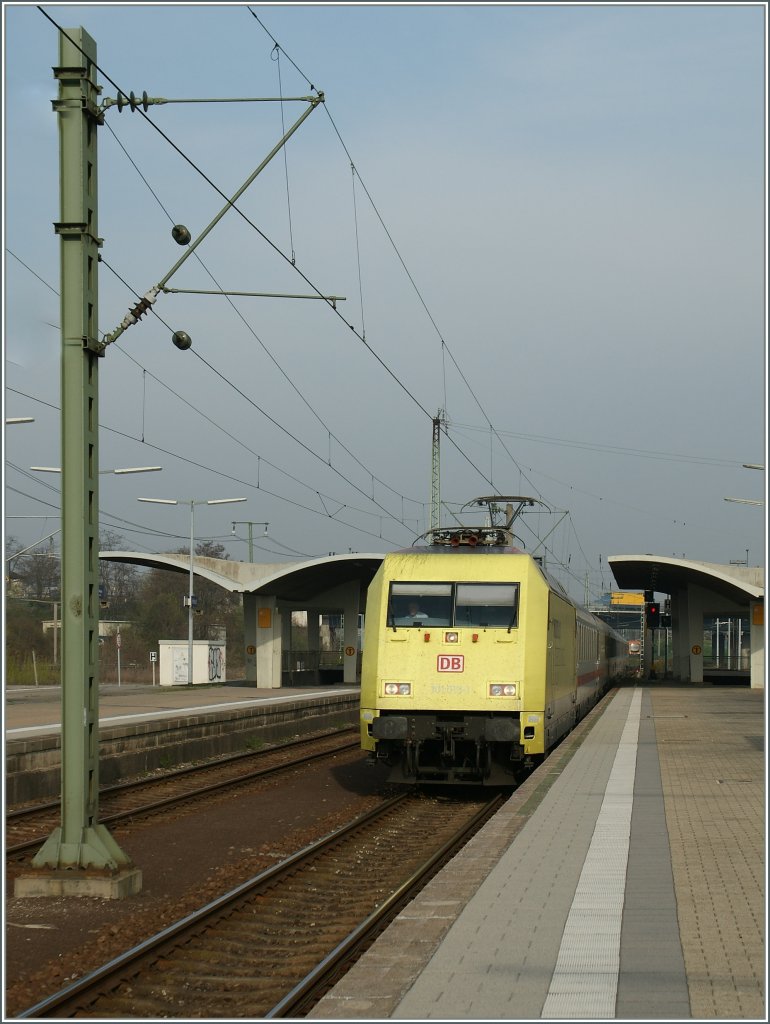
435	477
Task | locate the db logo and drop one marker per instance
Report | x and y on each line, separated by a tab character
451	663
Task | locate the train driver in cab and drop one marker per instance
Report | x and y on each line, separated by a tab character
415	613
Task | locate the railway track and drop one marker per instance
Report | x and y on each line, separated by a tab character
273	945
26	828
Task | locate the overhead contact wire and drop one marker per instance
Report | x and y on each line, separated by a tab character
358	250
261	233
304	276
411	280
275	423
238	312
239	480
218	426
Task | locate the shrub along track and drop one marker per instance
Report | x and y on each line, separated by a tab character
266	947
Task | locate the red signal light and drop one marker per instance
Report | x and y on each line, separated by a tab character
653	615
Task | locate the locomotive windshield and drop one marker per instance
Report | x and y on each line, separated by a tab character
420	604
484	605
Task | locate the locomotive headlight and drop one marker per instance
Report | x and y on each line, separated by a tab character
396	688
451	638
502	689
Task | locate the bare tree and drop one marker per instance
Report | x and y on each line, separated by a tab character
160	613
119	580
40	573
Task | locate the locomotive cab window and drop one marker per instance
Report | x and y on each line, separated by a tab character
420	604
487	605
478	605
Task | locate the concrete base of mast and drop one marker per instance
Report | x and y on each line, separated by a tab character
94	867
79	882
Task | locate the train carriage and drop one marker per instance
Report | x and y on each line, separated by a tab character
476	662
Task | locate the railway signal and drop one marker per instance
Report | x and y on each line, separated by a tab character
653	615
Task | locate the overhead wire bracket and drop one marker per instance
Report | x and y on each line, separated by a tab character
132	317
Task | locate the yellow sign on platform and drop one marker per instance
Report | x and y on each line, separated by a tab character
627	597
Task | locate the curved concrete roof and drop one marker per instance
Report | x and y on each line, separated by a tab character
288	581
668	575
301	580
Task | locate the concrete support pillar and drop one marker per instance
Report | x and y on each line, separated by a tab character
757	630
694	626
250	637
313	629
269	626
350	646
262	623
680	640
287	639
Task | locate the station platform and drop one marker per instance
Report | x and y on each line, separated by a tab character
625	879
36	710
142	728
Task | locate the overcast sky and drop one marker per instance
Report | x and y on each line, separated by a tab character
547	221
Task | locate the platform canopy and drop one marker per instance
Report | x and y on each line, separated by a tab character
738	583
333	584
699	590
294	581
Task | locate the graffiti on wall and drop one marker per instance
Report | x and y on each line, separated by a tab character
216	664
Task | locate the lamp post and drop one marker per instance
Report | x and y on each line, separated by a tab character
192	503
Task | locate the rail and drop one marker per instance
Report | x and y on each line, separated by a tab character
267	945
27	827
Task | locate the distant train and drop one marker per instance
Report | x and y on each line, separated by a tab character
634	647
476	662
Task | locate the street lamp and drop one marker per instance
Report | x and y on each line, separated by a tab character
192	503
748	501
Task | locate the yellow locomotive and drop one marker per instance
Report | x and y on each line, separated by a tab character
476	662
